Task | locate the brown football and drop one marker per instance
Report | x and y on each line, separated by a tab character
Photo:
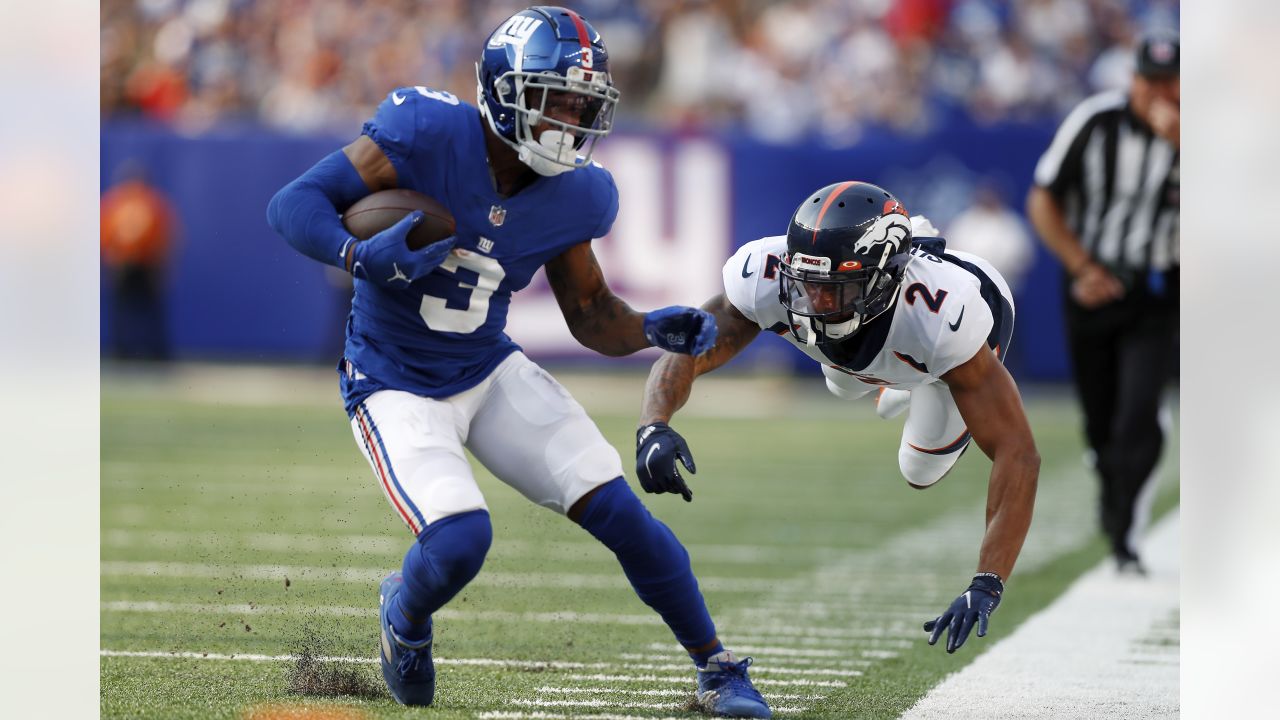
379	211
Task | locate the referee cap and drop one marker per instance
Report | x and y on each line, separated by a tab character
1158	55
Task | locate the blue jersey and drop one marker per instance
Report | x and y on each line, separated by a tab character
443	334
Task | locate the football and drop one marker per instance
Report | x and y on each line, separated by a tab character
379	211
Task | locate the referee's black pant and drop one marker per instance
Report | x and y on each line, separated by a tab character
1123	355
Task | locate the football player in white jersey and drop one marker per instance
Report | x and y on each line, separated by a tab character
874	296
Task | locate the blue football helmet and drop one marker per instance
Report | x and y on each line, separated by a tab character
546	69
848	246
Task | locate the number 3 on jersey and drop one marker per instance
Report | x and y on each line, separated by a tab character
461	304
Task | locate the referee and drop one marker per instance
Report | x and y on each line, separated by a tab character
1105	202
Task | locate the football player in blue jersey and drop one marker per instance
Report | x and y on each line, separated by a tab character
427	369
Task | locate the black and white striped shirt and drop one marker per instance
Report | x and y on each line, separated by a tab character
1117	183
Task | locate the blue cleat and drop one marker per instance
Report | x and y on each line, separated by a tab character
406	666
725	690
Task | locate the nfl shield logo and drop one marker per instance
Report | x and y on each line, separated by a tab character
496	215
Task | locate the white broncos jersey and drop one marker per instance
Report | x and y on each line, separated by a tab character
948	306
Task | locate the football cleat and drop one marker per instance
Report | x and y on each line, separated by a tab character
406	665
890	402
725	690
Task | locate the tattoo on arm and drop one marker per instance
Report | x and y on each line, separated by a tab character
671	378
597	318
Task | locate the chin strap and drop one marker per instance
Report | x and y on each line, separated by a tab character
539	164
558	144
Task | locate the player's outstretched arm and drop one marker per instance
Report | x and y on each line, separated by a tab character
605	323
671	377
991	406
658	446
306	212
988	401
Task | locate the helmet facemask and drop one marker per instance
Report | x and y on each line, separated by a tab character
833	306
568	113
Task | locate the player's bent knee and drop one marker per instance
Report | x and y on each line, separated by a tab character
923	470
456	546
891	402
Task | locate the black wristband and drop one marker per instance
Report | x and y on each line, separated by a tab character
989	582
643	433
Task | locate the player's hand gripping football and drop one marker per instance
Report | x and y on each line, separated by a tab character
680	329
657	448
387	260
974	607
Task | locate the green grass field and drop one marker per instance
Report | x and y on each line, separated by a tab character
238	518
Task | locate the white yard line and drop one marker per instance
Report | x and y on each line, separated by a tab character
372	575
685	667
1098	651
685	679
538	715
395	544
152	606
822	662
600	690
623	705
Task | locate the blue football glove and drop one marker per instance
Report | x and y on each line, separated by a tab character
387	260
973	607
681	329
657	447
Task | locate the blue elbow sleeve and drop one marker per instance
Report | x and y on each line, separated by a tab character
305	212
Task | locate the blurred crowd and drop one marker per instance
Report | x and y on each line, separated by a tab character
779	70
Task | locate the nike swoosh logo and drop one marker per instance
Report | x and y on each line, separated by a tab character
395	98
746	274
956	325
652	450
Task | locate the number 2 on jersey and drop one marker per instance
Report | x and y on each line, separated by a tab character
461	305
919	291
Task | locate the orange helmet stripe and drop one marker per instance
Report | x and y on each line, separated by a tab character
839	189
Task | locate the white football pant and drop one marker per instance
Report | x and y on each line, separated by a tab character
519	423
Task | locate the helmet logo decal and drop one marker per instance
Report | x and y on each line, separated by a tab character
817	224
850	265
515	31
891	230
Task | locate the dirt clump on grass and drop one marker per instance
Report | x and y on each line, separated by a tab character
313	675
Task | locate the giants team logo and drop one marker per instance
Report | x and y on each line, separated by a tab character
891	230
515	31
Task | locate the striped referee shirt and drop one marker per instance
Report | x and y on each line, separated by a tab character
1117	183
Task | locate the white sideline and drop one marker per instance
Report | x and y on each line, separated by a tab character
1095	652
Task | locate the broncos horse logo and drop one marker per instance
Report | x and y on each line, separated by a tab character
892	229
